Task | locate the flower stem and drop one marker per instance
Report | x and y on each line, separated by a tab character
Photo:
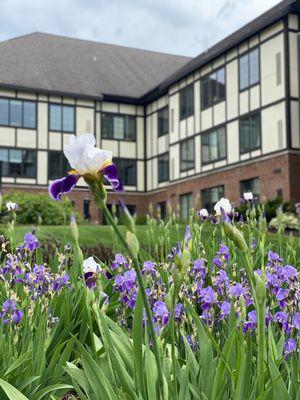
111	220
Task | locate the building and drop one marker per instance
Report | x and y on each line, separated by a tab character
215	125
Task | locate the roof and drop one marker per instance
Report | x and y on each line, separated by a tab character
82	68
263	21
59	64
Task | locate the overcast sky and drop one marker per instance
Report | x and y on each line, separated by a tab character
184	27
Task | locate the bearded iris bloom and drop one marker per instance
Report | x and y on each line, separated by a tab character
87	161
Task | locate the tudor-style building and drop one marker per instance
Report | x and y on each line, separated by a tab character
180	129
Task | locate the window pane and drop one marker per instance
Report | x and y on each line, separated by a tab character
3	111
254	66
130	127
15	113
244	135
221	84
55	117
163	121
163	168
68	119
213	88
255	132
29	164
190	100
205	97
211	196
15	163
107	126
127	170
187	155
187	101
213	146
186	203
250	185
222	143
244	71
119	128
54	165
205	149
29	115
4	170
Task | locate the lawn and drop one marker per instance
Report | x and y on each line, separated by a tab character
91	235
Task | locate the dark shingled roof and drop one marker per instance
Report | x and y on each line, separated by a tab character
60	64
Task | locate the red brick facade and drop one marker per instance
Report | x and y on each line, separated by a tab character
279	172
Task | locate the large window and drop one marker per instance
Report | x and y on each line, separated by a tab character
163	121
249	69
62	118
186	203
187	101
58	165
250	135
211	196
163	167
127	170
187	155
250	185
116	126
18	113
18	163
213	88
213	145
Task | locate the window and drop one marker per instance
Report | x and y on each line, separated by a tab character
122	127
213	88
187	101
213	145
127	170
249	69
250	185
162	210
163	121
186	203
18	113
211	196
18	163
250	133
163	168
187	155
58	165
62	118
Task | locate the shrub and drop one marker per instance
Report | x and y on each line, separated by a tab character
284	220
39	208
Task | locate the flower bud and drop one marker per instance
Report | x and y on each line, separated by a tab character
127	219
260	289
74	228
132	243
233	233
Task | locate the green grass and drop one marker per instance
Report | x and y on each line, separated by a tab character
91	235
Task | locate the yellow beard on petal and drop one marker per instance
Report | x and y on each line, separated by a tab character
106	164
73	172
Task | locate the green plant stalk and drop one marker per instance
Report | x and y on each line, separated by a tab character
261	309
144	297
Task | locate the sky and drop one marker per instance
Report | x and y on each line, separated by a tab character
185	27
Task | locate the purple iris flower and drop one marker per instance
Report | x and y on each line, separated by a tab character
161	313
30	242
198	269
207	296
273	257
218	263
187	236
178	312
281	317
176	251
119	261
290	346
10	312
296	321
149	268
225	309
236	290
281	296
224	251
289	273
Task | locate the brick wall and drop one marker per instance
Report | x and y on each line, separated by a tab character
274	173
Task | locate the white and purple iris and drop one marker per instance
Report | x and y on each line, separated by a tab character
86	161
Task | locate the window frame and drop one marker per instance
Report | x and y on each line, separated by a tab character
208	132
191	139
117	160
210	189
22	150
60	164
123	116
192	112
247	53
62	117
251	190
202	82
181	196
162	132
248	116
22	126
158	159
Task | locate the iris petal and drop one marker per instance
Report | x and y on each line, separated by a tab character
62	186
111	173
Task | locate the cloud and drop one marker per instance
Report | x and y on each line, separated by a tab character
174	26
